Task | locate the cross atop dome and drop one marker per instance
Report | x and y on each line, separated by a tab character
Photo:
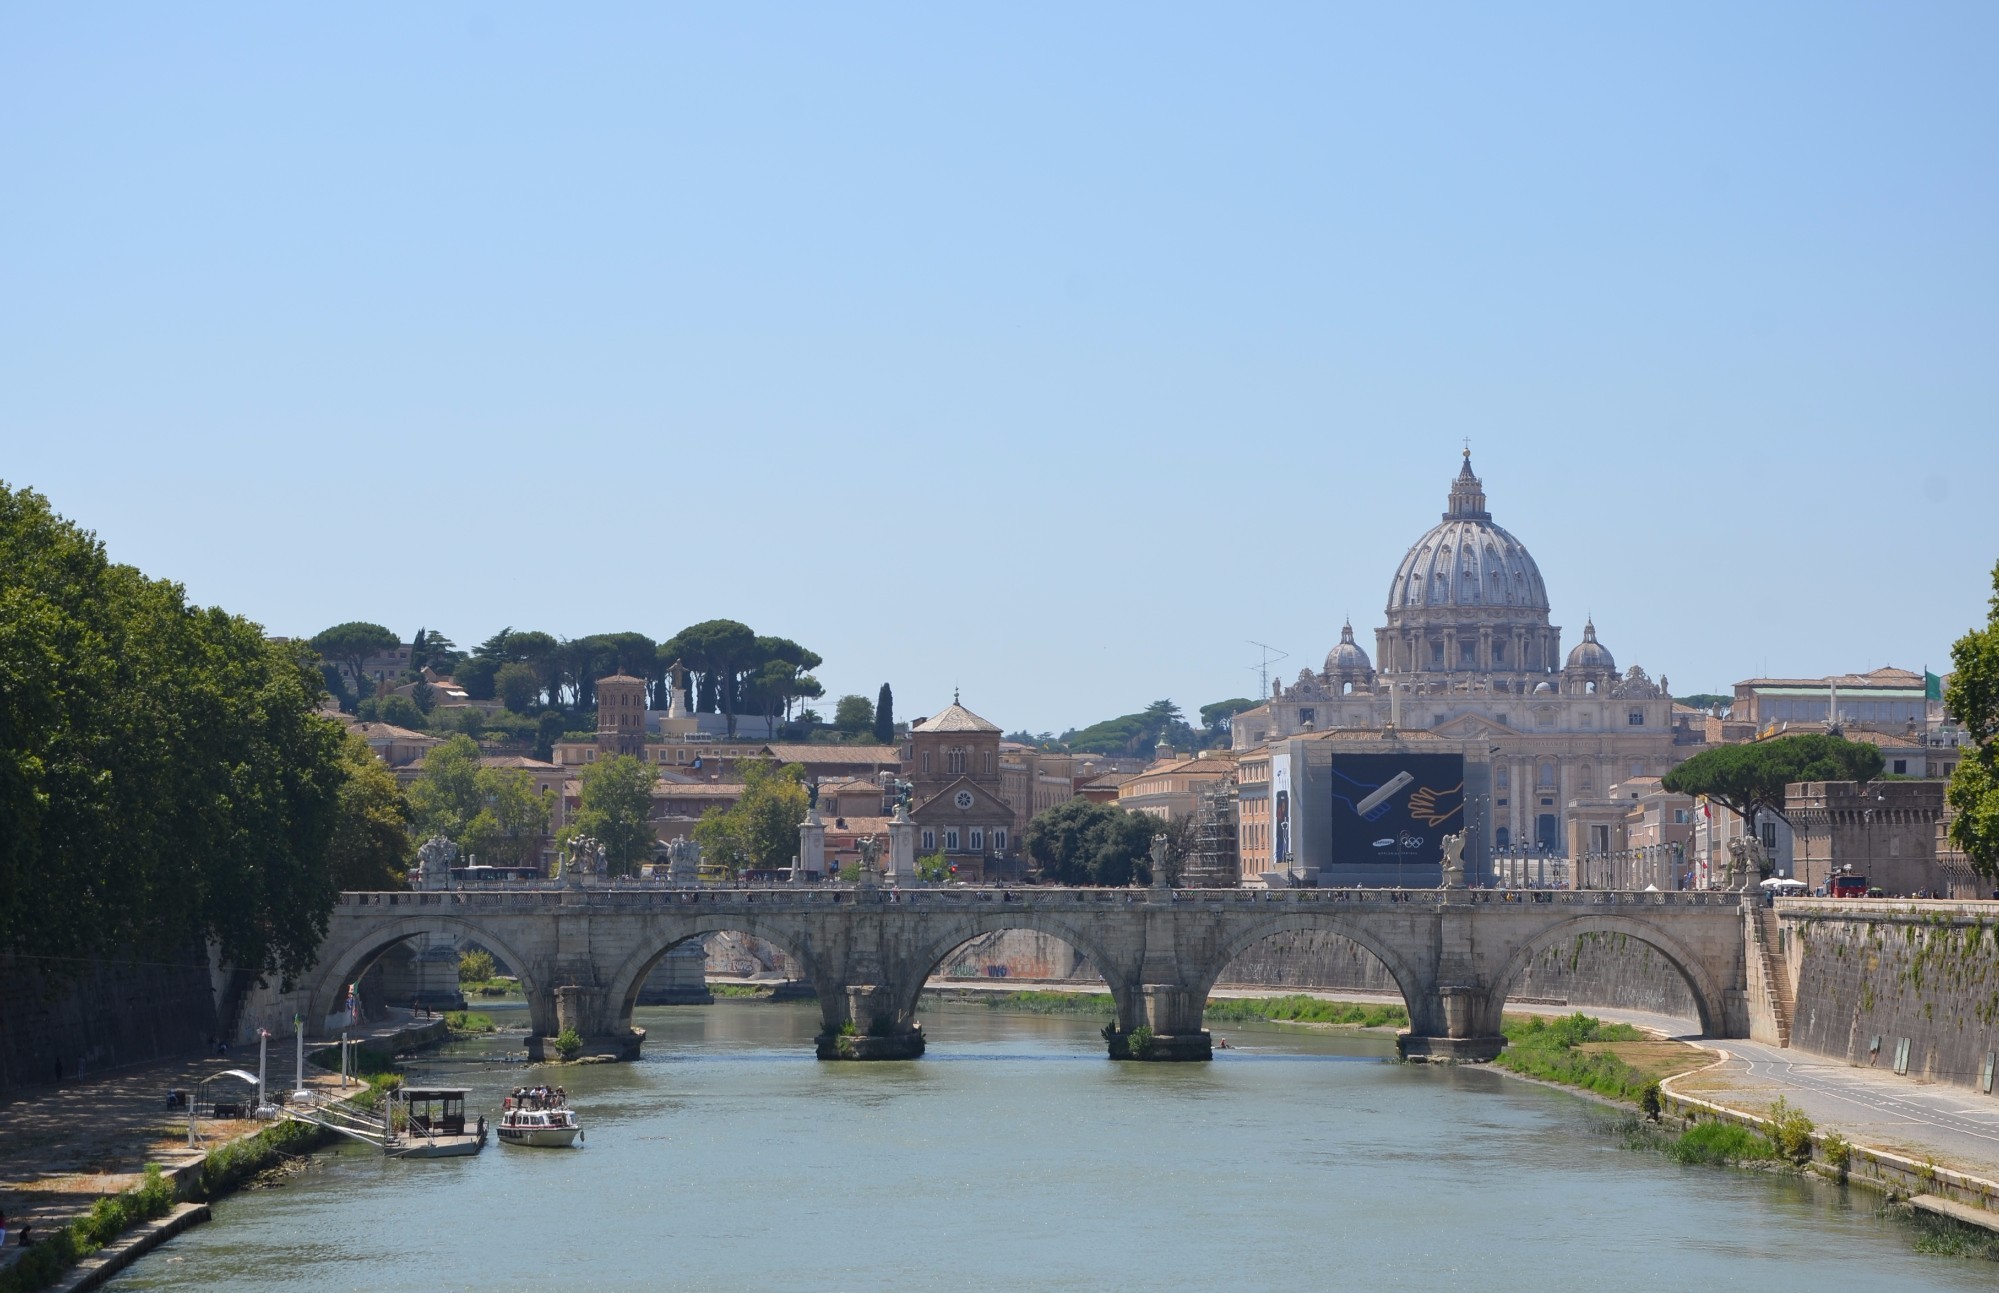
1467	494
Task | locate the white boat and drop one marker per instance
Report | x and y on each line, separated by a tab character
538	1127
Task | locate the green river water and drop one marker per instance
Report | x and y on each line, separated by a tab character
1015	1156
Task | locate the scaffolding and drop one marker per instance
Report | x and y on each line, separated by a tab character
1212	862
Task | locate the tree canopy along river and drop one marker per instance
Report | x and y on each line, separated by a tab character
1014	1155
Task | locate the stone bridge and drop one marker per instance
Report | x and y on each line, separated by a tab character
582	954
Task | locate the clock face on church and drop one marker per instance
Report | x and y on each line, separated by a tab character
963	800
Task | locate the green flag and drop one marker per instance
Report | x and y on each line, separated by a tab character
1932	686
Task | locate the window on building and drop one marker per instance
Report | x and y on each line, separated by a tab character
978	840
955	760
1769	835
1599	839
930	841
999	839
924	761
1503	837
1636	718
1637	769
1502	779
1498	648
989	763
1902	765
1547	781
1437	654
1544	717
1679	817
1308	715
951	841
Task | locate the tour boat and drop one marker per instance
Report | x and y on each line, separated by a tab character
521	1123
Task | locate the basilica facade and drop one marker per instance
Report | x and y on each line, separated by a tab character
1469	656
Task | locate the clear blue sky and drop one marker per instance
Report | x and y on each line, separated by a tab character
1052	351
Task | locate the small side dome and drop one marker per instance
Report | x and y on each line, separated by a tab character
1590	653
1347	657
1544	689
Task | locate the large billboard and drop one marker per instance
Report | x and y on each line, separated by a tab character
1394	809
1283	812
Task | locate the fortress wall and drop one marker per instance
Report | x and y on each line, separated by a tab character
1927	972
115	1014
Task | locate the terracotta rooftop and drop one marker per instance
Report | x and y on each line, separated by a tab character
954	718
870	755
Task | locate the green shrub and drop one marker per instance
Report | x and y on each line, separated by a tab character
1790	1132
568	1043
475	966
1721	1144
1838	1151
1138	1044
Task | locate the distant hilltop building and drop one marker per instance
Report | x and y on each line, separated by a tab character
1470	660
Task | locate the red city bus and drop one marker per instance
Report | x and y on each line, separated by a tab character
1848	886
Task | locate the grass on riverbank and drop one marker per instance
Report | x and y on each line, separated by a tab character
469	1022
1033	1002
1300	1009
53	1254
746	990
1614	1060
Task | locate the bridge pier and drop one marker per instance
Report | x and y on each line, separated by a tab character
1168	1029
1470	1032
587	1010
867	1022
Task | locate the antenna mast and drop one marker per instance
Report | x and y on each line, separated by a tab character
1263	668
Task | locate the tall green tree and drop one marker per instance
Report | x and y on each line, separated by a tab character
512	822
1973	700
760	830
885	716
351	646
718	652
1750	778
853	715
616	811
445	797
1134	734
164	778
1079	842
1218	719
517	686
370	846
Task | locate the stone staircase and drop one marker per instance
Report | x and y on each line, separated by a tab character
1779	996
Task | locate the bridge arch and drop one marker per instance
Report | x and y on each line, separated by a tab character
1701	984
1415	987
342	966
923	960
626	981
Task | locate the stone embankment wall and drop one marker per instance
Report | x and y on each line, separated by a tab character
1922	972
113	1015
1609	970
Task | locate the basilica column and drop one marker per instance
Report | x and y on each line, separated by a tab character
1485	648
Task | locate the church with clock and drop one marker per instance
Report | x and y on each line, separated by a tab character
952	762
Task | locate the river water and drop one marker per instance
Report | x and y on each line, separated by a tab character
1014	1155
